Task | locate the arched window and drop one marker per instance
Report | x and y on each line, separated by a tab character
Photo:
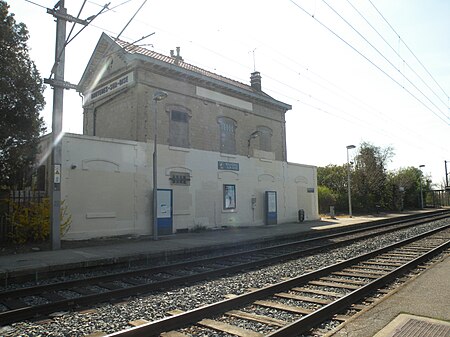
265	138
227	129
179	126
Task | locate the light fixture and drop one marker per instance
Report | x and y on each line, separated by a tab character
253	135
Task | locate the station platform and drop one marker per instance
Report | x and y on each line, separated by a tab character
425	298
109	251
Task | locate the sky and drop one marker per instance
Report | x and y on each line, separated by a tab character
354	71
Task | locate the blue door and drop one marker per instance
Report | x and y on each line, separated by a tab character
271	207
164	212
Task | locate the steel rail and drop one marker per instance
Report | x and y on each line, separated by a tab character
191	317
159	269
305	237
42	309
311	320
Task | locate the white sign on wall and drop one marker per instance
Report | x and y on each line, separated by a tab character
109	88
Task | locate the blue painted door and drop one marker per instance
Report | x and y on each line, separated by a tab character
165	212
271	207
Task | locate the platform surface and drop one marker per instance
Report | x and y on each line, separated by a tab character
406	312
144	247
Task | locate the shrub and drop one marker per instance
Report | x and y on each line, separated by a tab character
31	223
327	198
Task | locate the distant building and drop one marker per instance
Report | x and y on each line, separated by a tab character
221	146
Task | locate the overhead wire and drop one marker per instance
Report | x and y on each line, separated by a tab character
237	62
367	59
230	59
397	53
409	49
385	58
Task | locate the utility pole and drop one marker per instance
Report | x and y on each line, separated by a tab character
58	99
58	84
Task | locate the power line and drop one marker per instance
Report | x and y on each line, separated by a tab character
384	57
399	56
34	3
367	59
409	49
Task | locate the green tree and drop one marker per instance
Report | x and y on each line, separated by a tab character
369	177
327	198
333	179
404	188
21	99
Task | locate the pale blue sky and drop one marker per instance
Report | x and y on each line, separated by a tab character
338	97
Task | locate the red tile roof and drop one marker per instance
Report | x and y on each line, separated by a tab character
133	49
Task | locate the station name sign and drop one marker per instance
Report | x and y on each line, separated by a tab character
110	88
228	166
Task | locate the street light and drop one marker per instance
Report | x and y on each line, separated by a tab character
253	135
447	186
349	147
421	192
157	96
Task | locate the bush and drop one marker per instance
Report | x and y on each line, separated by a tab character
31	223
327	198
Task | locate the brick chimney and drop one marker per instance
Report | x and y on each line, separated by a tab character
177	57
255	80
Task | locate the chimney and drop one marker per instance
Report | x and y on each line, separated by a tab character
255	80
177	57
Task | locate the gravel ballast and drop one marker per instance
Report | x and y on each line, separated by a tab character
111	318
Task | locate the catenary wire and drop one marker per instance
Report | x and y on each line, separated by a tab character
386	59
370	61
190	40
399	56
409	50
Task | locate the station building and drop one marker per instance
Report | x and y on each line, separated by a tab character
221	149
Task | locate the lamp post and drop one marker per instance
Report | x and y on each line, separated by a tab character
349	147
253	135
447	186
421	192
157	96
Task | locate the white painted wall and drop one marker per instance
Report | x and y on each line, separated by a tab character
107	185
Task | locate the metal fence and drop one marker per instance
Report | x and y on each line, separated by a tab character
19	198
438	198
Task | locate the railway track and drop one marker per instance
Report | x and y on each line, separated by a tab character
309	299
89	291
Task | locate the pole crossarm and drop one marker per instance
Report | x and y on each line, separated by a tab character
61	84
66	17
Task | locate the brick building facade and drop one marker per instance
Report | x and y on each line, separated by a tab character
221	148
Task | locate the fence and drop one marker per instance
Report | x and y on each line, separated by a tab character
438	198
10	198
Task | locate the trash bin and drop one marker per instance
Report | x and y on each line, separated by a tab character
301	215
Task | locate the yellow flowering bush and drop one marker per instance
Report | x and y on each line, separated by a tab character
31	223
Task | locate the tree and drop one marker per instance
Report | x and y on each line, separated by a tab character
333	179
404	188
369	177
327	198
21	99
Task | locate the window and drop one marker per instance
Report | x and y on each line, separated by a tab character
227	127
265	138
179	127
229	196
